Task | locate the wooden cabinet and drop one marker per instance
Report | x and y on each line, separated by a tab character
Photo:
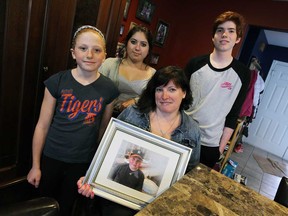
35	40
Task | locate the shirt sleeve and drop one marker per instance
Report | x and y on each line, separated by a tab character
52	84
233	115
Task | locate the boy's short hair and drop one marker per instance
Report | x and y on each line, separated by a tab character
235	17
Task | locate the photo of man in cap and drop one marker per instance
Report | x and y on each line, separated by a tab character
129	174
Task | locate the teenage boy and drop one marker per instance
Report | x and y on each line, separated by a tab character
219	84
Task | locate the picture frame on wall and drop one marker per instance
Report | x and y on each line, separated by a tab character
121	29
163	163
126	10
132	24
120	50
161	33
154	58
145	10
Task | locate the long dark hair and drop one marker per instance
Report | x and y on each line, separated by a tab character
132	31
163	76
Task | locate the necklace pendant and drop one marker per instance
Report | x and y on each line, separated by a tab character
162	133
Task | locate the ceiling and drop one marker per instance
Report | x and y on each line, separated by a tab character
277	38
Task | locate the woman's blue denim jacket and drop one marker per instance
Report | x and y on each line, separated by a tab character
187	133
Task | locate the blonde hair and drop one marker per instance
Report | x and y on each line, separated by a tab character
85	28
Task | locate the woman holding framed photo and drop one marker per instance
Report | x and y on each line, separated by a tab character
160	110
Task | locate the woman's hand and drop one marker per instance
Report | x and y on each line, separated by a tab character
85	189
127	103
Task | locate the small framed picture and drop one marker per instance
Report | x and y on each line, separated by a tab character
132	24
145	10
120	50
161	33
154	58
121	29
126	10
132	166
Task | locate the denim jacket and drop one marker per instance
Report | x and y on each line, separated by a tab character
188	133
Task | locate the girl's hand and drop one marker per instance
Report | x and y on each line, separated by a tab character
34	177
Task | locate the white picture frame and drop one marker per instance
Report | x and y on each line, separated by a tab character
164	163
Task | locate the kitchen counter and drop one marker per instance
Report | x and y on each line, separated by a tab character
203	191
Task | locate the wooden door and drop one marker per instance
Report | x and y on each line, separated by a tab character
22	36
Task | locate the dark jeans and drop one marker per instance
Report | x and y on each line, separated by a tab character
209	155
59	181
102	207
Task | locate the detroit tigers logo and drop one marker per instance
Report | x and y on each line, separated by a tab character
75	107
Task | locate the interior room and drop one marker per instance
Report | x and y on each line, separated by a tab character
35	42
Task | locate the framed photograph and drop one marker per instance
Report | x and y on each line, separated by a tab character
120	50
145	10
121	29
161	33
113	173
132	24
126	10
154	58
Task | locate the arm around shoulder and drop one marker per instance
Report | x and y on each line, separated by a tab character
125	114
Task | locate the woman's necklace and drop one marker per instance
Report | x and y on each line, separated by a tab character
164	133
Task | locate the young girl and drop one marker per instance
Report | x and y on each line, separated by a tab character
76	109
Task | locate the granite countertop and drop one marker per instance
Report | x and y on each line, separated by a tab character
207	192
